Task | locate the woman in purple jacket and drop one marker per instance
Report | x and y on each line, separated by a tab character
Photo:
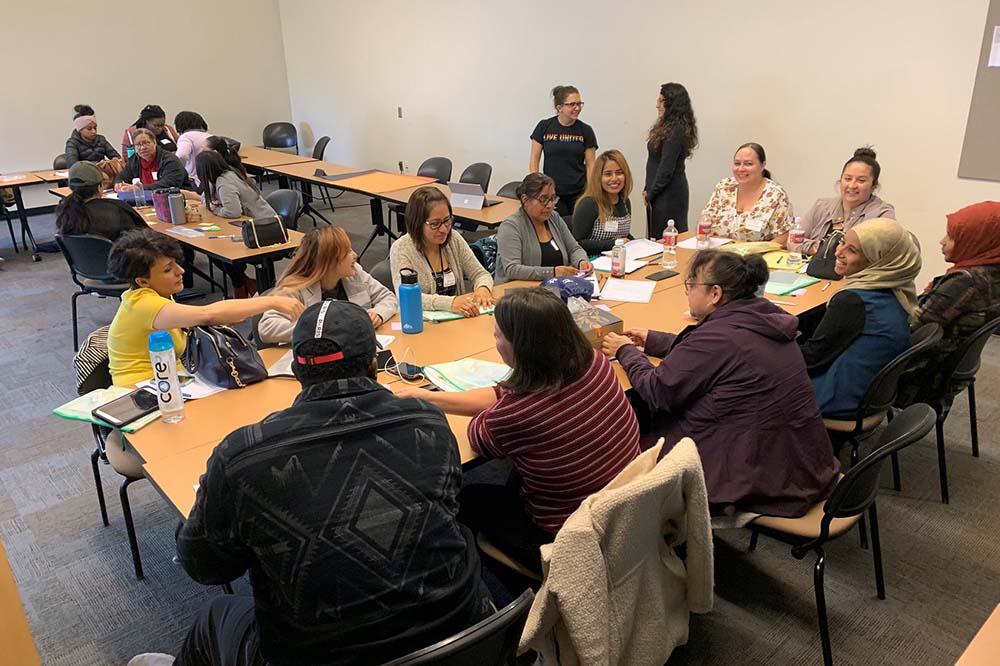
736	384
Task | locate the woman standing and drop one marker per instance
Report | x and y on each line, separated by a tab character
153	118
441	258
855	203
534	243
672	139
749	206
194	131
568	144
604	214
85	144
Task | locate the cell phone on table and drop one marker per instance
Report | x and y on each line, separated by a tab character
661	275
128	408
384	359
406	371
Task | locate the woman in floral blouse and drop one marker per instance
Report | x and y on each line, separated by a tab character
749	206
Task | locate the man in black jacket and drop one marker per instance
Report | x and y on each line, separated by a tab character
343	509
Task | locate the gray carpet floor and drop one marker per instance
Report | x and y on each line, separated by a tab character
85	606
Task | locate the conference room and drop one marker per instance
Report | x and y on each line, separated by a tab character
358	124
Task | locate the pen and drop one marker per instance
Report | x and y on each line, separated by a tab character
783	302
826	286
217	237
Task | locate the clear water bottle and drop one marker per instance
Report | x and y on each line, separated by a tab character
168	387
411	311
795	239
140	193
704	232
669	259
618	256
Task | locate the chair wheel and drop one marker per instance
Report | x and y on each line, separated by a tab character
36	257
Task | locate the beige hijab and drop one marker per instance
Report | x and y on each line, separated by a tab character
895	260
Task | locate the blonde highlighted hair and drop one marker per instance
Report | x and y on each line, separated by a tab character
595	190
318	251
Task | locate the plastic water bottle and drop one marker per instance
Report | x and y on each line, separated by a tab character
795	238
411	311
140	193
618	257
161	355
669	259
704	232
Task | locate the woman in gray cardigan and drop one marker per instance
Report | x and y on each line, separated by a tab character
534	243
325	266
226	192
442	259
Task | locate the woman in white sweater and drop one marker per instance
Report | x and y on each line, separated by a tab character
325	266
442	259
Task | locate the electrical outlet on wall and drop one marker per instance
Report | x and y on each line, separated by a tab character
404	166
399	111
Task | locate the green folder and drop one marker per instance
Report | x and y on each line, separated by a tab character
782	283
79	409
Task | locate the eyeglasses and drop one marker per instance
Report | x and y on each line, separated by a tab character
547	201
144	144
578	105
437	224
688	285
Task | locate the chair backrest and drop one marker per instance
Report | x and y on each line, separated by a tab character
859	487
280	135
87	256
438	168
480	173
59	163
383	274
232	143
288	205
509	190
963	363
491	642
92	364
320	148
883	388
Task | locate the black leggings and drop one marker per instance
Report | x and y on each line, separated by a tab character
498	512
223	634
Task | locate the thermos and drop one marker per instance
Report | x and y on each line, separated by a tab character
411	311
176	201
168	388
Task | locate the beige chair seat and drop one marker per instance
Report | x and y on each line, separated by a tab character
869	423
807	526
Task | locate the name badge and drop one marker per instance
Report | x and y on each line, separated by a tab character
610	226
448	279
165	141
156	175
754	224
554	246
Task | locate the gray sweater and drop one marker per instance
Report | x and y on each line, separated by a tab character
461	261
519	254
236	198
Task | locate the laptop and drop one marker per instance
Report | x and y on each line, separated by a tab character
470	195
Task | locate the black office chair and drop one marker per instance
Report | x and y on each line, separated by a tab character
319	150
490	642
288	205
59	163
232	143
93	372
281	136
383	273
854	493
479	173
509	191
10	225
87	256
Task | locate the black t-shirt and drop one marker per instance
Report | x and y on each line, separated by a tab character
337	293
550	255
564	149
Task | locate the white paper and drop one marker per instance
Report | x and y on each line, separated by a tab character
61	174
692	243
11	176
385	340
184	231
994	60
631	265
631	291
282	367
640	247
592	279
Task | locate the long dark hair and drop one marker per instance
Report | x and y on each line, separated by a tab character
678	116
185	121
737	276
72	216
549	349
418	207
209	166
149	112
232	158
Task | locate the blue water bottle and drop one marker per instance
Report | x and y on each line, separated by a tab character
168	388
411	311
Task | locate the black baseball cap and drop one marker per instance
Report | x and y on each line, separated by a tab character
343	323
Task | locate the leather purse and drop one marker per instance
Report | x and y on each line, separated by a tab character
822	263
222	357
264	231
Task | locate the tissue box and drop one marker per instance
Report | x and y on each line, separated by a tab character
595	323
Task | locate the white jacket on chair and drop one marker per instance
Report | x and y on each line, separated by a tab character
615	593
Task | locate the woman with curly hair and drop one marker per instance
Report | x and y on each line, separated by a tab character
672	139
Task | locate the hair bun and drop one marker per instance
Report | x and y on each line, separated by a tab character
83	110
757	271
865	151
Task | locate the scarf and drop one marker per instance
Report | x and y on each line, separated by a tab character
895	260
146	170
975	231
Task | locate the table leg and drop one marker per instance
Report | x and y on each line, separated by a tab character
25	228
265	275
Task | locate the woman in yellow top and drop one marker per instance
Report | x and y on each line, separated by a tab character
749	206
151	263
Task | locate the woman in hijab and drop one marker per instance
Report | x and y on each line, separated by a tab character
153	118
85	144
867	323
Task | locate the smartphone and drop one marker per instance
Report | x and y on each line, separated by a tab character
383	359
406	371
128	408
661	275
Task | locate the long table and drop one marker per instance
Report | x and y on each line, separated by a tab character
15	182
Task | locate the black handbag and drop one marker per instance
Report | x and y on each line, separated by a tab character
222	357
822	264
264	231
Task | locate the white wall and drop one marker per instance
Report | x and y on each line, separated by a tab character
223	59
810	81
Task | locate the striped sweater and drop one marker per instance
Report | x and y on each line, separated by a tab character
566	445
